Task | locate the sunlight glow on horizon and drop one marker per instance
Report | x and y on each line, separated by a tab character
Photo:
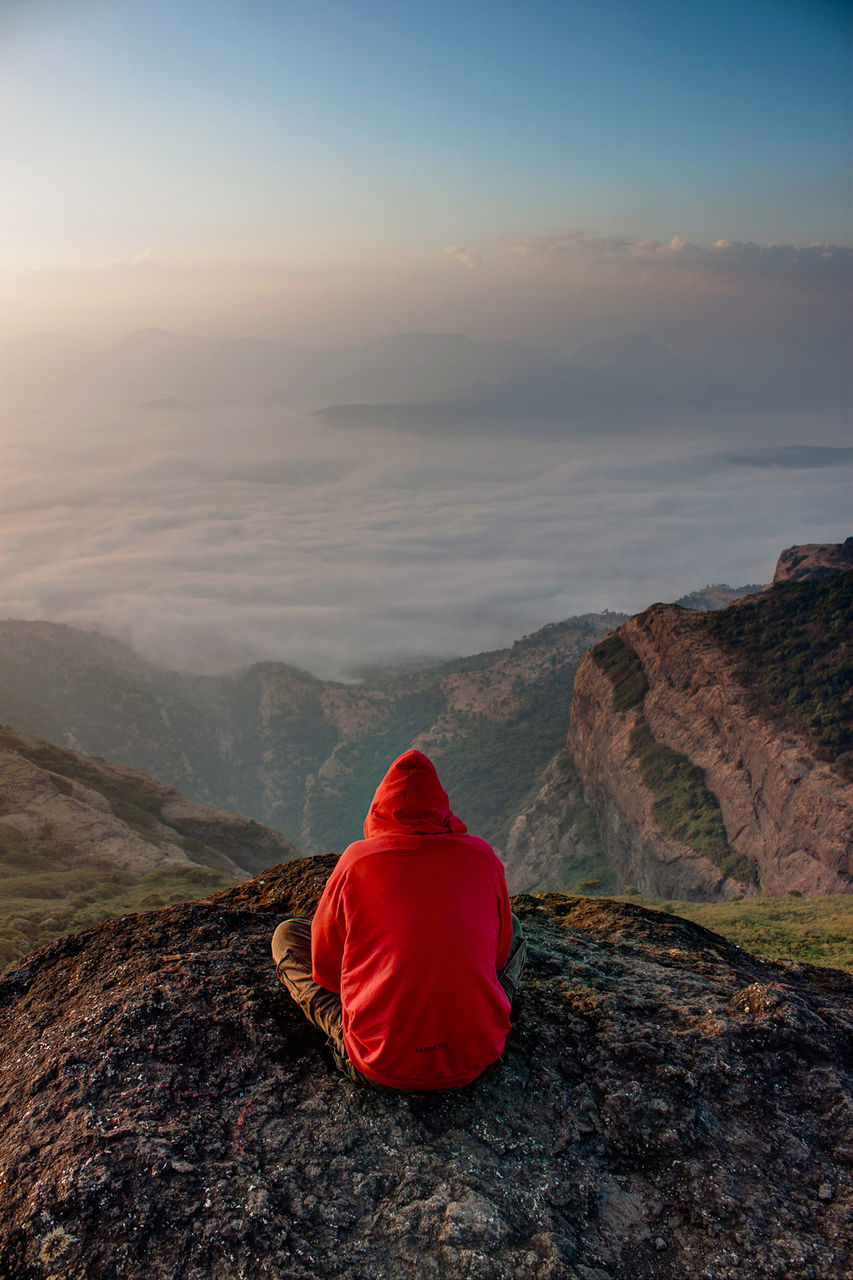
208	133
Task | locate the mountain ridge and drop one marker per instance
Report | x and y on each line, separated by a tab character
287	748
77	834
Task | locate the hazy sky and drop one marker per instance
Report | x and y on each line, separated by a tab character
328	172
346	167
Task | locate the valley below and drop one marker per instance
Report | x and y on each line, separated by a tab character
697	753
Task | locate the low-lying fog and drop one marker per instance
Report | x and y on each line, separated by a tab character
213	536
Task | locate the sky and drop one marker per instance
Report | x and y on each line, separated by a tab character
210	161
552	175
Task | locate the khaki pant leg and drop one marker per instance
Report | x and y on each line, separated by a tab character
291	950
510	975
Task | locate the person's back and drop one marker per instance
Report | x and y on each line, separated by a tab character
411	931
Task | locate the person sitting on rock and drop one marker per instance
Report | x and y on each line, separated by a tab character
413	957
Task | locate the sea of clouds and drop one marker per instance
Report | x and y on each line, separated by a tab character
210	538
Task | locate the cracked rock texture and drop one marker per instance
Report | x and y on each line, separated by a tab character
668	1106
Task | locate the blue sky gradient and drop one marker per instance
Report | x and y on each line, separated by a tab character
226	130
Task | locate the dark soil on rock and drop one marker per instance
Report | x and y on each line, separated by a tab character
668	1106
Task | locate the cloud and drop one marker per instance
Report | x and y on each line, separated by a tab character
190	539
143	259
818	261
470	258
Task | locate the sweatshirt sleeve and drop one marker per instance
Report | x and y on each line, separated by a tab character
505	914
327	937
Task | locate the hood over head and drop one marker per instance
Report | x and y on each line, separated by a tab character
411	799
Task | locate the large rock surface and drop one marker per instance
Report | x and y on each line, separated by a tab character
668	1106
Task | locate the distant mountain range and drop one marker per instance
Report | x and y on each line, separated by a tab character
630	380
158	369
417	381
286	748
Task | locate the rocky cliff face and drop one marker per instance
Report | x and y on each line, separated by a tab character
786	814
813	561
668	1106
555	842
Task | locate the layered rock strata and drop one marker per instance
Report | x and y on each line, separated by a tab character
789	814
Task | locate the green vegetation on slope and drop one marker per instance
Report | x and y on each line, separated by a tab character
621	664
684	807
360	765
489	767
587	868
492	768
815	930
47	891
794	645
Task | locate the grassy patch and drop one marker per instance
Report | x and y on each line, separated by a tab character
621	664
815	930
684	807
36	908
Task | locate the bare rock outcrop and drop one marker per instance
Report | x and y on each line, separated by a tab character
814	560
668	1106
788	814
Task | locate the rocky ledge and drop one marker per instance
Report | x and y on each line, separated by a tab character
814	560
668	1106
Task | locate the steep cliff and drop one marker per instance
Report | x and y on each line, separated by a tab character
555	842
668	1107
699	789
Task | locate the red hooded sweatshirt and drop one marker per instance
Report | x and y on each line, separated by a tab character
411	929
